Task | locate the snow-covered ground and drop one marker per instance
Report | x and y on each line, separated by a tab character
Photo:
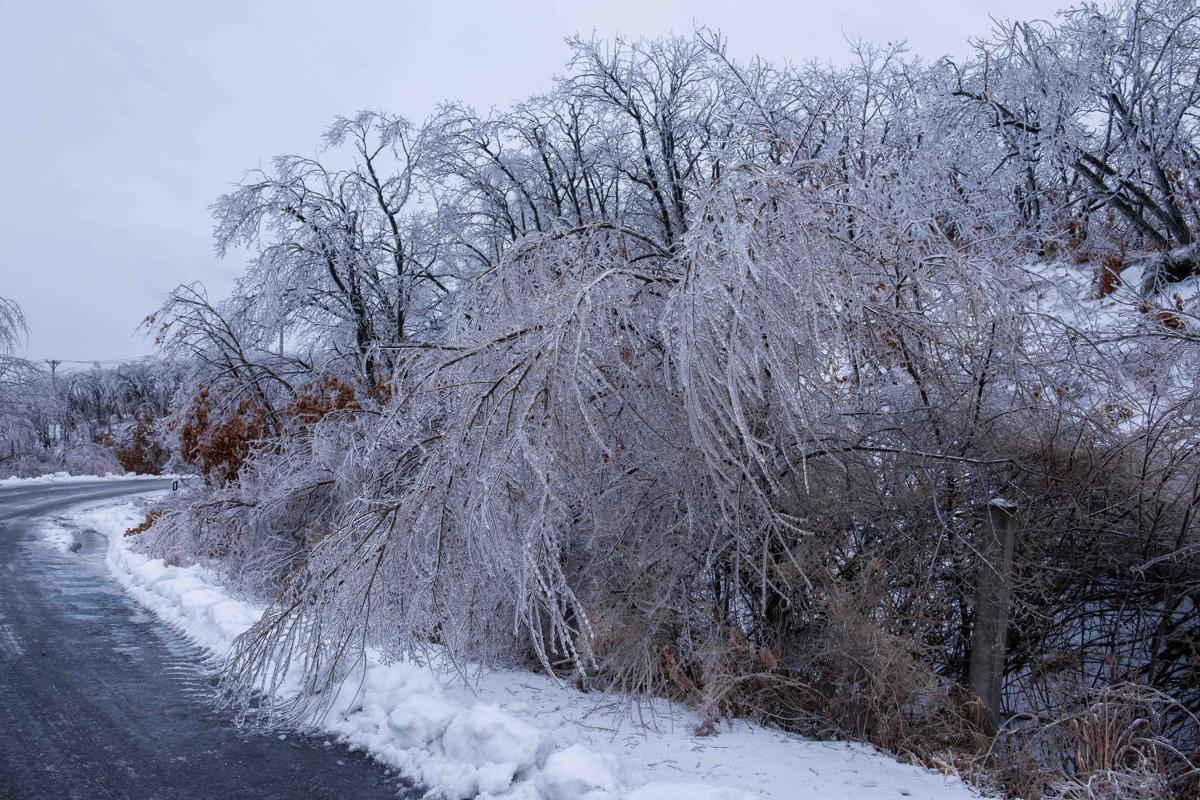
66	477
521	736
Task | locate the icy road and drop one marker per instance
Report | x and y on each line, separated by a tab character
100	701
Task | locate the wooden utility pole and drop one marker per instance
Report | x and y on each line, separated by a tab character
993	584
55	428
54	362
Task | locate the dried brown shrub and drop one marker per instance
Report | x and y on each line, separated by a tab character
1108	277
219	447
144	454
318	400
144	525
1114	742
845	676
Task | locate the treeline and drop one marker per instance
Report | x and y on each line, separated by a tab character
697	378
91	421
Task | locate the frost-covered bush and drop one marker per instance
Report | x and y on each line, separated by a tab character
84	458
697	378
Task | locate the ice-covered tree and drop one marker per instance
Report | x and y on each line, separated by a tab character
696	377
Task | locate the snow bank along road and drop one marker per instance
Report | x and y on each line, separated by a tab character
99	700
517	735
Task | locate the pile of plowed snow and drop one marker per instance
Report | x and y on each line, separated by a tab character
522	736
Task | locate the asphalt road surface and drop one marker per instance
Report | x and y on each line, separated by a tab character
101	701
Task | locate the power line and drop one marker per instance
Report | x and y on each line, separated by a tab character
131	360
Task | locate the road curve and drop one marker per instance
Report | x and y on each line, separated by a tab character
101	701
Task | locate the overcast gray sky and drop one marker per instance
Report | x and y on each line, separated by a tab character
121	120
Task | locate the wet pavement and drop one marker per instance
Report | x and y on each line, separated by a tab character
101	701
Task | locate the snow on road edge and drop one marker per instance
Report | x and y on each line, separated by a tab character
66	477
521	736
